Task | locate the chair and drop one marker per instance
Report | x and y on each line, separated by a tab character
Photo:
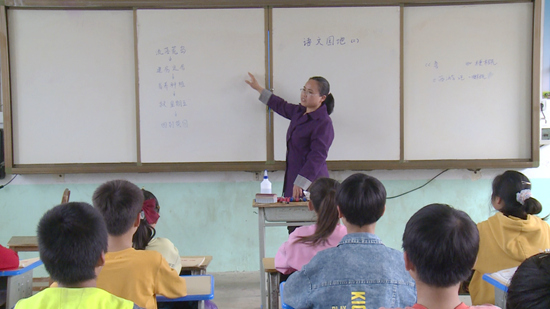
66	195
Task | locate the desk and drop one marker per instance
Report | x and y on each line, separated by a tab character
199	288
23	243
273	277
500	280
197	269
279	214
17	283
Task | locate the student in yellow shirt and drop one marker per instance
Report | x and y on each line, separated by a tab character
72	240
144	238
137	275
509	237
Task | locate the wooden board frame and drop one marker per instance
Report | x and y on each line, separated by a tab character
269	164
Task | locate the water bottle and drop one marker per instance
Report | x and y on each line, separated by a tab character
265	186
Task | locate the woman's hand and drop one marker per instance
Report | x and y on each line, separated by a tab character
297	192
254	83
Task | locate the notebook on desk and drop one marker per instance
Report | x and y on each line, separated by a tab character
501	279
27	262
192	261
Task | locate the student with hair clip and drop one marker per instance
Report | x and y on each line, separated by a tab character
309	134
530	285
306	241
510	236
144	238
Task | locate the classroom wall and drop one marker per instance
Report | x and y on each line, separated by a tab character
211	213
545	83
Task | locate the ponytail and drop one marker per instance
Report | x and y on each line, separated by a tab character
532	206
323	198
514	189
143	235
329	103
324	90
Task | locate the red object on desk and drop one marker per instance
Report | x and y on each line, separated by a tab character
8	259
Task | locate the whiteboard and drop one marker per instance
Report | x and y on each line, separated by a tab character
72	86
194	103
359	56
467	81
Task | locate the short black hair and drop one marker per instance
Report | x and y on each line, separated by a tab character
530	285
119	201
442	243
71	239
361	199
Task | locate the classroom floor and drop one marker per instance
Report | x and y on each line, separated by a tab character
241	290
237	290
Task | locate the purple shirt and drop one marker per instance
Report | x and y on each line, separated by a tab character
308	140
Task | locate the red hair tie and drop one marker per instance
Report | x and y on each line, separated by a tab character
149	208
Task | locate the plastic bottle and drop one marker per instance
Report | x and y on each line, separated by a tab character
265	186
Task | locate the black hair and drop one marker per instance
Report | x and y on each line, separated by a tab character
145	232
442	243
506	186
530	285
362	199
324	89
119	201
71	239
323	197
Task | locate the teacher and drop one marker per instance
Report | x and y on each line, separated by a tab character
309	134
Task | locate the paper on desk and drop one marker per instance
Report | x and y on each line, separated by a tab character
27	262
192	262
505	275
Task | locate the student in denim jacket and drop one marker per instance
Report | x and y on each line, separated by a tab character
360	272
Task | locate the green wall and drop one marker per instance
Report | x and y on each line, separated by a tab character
212	214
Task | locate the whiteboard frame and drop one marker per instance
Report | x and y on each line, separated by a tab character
269	164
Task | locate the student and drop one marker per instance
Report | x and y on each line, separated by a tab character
144	238
306	241
8	258
72	241
530	285
309	135
137	275
360	272
440	246
510	236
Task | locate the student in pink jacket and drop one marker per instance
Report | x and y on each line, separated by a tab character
306	241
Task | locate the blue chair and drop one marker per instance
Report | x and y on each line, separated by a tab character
199	288
283	305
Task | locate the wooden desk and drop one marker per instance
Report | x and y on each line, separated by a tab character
17	283
279	214
199	288
23	243
198	269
